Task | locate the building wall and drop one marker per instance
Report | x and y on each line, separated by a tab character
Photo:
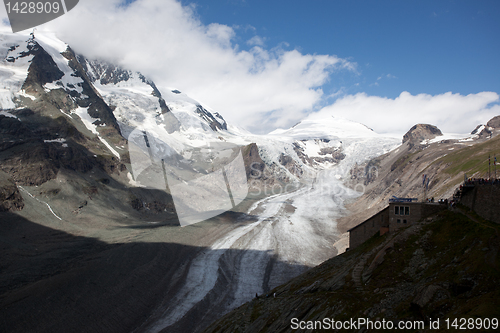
362	232
406	214
412	213
484	200
387	220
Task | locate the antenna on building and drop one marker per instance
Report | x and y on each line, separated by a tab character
489	166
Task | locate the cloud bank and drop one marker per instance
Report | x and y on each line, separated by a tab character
452	113
257	87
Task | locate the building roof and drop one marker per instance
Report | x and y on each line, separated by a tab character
405	200
386	208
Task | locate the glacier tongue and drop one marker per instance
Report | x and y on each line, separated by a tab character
294	230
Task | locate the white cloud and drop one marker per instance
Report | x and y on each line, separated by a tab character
452	113
388	76
256	41
260	88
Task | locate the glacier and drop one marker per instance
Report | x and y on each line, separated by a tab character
293	227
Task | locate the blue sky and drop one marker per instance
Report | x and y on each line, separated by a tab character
418	46
269	64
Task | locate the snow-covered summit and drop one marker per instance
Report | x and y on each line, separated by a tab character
326	128
139	104
14	65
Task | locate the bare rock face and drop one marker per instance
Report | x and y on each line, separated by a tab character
482	131
328	155
494	122
254	165
421	132
10	198
215	124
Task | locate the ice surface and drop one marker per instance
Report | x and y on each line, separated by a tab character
327	128
451	136
298	229
13	74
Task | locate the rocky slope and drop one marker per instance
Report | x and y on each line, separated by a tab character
442	158
10	198
446	267
65	115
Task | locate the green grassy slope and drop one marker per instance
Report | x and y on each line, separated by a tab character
473	160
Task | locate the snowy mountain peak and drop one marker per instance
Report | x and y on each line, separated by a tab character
109	99
40	64
332	127
42	80
139	103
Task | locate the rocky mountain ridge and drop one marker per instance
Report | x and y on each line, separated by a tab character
444	161
76	114
55	116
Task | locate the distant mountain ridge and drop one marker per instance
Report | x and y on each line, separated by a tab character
89	107
61	110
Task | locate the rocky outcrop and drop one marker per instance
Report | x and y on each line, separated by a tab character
494	122
331	155
92	100
10	198
255	167
421	132
291	165
215	124
482	131
42	69
33	153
